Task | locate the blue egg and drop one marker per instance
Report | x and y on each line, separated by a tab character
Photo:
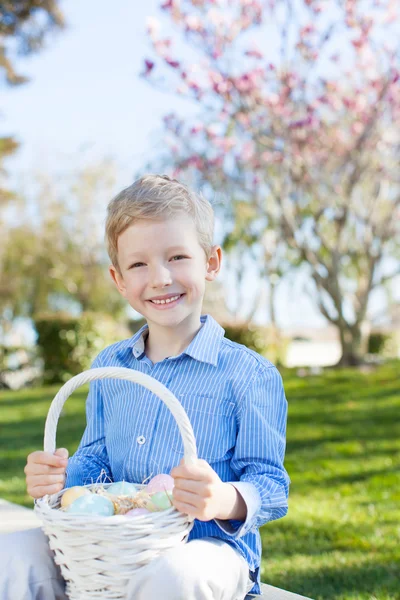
122	488
92	504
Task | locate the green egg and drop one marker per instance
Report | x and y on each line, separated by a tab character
161	500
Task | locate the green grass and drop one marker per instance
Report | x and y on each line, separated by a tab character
340	539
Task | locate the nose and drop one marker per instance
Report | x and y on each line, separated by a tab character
160	276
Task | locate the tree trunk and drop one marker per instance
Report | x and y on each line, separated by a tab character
350	341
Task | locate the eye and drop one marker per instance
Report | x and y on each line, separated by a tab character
135	265
178	257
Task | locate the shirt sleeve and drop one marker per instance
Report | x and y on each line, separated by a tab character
90	462
259	453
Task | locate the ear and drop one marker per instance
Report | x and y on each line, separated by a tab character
214	263
118	280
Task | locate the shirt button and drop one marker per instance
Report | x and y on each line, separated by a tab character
141	440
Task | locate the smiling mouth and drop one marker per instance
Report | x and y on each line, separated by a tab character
167	301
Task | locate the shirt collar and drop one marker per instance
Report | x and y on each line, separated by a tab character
204	346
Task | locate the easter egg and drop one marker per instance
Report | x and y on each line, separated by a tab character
122	488
72	494
137	512
161	500
160	483
93	504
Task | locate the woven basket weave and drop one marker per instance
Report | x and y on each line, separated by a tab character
98	556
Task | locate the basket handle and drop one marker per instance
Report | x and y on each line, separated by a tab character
177	410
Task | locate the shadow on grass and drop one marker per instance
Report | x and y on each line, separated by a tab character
314	539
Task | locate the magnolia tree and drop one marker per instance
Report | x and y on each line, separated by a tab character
299	123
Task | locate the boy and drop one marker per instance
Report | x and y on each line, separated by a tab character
160	242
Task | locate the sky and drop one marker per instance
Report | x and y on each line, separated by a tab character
86	101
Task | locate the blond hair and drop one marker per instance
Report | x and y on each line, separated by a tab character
156	197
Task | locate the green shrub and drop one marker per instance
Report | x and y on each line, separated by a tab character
376	342
68	344
265	340
384	344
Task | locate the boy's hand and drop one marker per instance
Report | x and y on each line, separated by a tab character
200	493
45	472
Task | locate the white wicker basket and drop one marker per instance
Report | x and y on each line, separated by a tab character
98	556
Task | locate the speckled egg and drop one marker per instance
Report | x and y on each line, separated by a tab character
93	504
122	488
71	494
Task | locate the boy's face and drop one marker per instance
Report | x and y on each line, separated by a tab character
164	270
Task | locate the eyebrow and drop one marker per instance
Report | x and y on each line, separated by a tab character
168	251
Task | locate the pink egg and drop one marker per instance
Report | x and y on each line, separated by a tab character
136	512
160	483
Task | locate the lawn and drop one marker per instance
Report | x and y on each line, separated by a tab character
340	539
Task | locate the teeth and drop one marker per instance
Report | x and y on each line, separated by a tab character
167	301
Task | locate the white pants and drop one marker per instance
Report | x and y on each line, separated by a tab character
207	569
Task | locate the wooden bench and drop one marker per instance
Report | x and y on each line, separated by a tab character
14	517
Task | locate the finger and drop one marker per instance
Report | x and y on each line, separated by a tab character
61	452
43	490
187	509
41	480
39	469
45	458
186	496
190	471
189	485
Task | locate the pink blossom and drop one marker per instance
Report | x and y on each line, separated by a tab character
211	131
160	45
218	161
193	23
267	156
167	5
307	30
357	128
254	53
349	103
197	128
243	119
222	87
149	66
247	151
193	85
216	53
172	63
153	26
358	43
244	83
195	161
226	144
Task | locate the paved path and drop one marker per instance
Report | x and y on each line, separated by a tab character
14	517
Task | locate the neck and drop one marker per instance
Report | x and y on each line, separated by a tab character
162	342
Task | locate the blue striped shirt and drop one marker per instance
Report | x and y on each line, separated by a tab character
236	404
